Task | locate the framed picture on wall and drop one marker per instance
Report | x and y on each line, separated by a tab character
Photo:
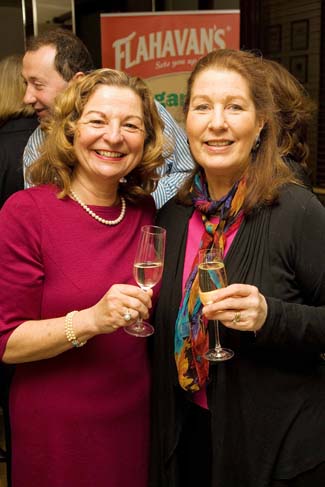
274	38
299	68
299	35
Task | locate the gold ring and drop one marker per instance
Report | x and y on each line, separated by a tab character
236	318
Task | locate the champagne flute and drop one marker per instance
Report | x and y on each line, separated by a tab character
212	276
147	270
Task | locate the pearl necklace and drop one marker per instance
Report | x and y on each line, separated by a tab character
98	218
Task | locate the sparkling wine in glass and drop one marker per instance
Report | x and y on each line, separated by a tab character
147	270
212	276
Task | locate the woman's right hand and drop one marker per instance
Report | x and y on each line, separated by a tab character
108	314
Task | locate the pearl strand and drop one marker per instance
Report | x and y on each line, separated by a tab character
98	218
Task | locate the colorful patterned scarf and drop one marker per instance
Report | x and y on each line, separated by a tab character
191	330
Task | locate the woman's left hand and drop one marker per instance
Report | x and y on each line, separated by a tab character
238	306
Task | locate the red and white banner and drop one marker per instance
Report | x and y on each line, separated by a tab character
163	47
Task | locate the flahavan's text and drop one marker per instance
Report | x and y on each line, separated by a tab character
133	50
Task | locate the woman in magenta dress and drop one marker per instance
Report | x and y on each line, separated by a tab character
79	401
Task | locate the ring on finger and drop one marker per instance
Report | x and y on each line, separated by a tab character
236	318
127	316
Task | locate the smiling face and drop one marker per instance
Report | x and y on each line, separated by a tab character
110	136
43	82
222	127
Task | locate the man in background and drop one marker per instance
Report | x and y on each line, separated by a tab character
54	58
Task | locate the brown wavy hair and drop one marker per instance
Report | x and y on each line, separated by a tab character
266	171
295	112
12	89
58	159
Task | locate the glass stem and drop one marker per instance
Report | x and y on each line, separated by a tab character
216	334
139	322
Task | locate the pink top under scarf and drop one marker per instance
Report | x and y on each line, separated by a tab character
195	231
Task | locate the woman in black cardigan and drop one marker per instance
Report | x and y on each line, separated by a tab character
257	420
17	122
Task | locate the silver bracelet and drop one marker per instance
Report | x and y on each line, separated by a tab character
69	331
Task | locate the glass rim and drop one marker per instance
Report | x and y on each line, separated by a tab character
210	251
155	229
213	253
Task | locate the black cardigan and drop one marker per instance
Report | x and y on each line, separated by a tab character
268	402
14	135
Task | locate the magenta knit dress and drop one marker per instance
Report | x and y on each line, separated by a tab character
80	419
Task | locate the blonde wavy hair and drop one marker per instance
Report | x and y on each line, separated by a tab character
12	89
58	159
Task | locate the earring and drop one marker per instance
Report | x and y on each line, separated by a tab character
123	180
257	143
